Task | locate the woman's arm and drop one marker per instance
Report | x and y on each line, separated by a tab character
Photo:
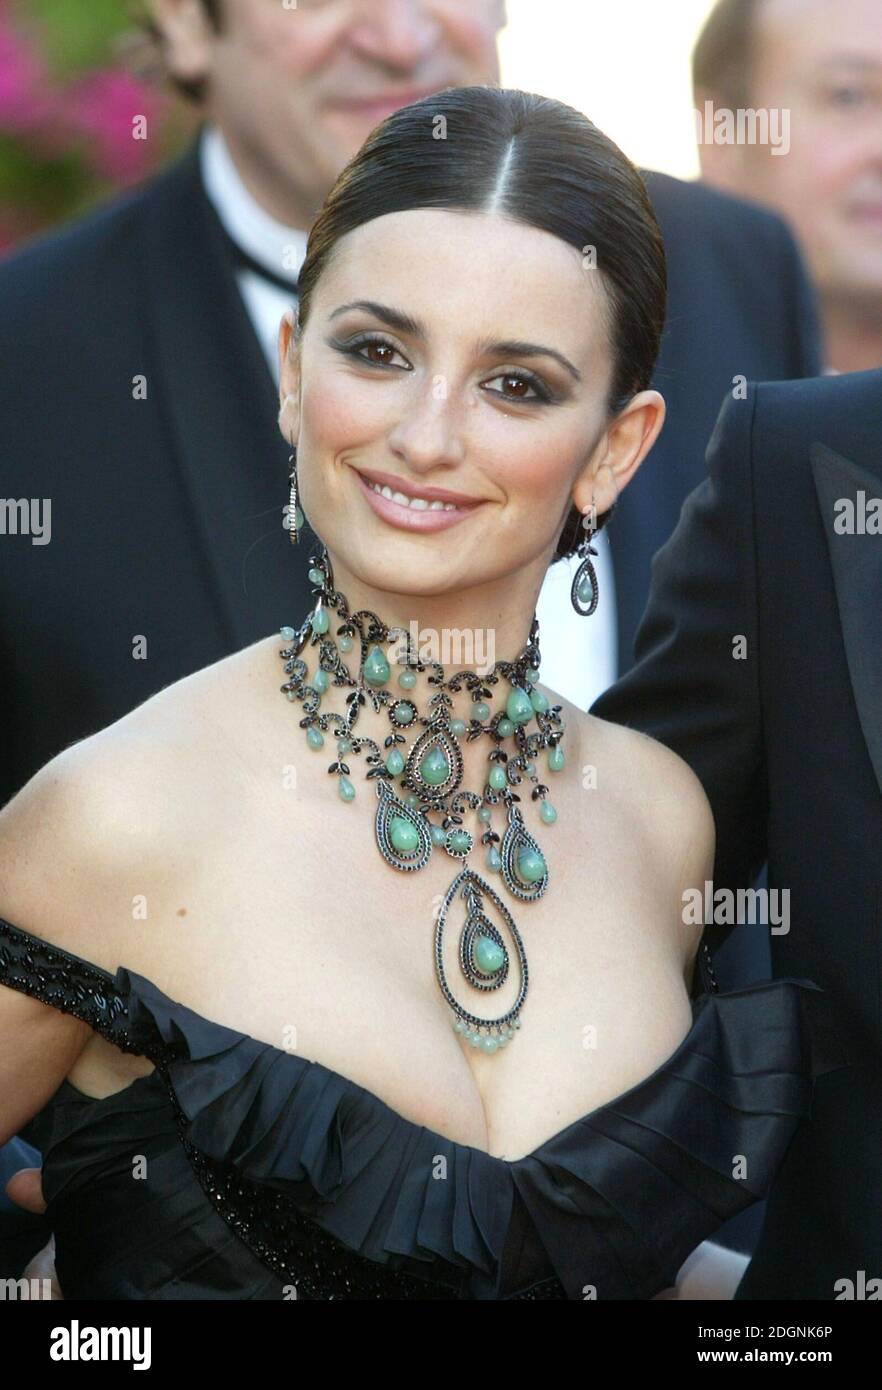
38	1043
38	1047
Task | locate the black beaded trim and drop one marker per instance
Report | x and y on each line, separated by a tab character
707	962
545	1289
73	986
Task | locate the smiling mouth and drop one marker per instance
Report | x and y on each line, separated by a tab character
413	513
417	504
402	490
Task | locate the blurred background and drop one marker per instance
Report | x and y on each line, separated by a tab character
72	77
74	73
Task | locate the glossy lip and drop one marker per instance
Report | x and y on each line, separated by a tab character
405	518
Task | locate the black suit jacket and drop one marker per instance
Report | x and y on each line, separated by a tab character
739	304
788	745
166	512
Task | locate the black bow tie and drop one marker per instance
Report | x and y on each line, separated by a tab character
243	260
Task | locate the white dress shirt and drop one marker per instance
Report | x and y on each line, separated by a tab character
579	657
281	249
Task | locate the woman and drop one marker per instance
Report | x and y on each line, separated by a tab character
238	924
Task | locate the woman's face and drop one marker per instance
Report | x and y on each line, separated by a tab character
463	352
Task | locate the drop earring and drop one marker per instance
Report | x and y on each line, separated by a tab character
583	593
293	515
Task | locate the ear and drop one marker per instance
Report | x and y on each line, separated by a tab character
289	378
187	37
620	451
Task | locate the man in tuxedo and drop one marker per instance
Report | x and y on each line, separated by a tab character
138	405
805	79
759	661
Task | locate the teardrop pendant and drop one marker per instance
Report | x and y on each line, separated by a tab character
583	593
434	765
484	960
524	869
403	835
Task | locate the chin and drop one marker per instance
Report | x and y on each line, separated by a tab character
401	574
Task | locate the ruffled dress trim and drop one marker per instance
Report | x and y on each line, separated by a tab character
616	1201
610	1206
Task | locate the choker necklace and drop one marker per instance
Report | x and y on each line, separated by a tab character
429	774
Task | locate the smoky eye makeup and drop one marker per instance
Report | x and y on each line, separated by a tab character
544	394
356	348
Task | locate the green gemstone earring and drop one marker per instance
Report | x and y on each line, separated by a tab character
293	515
583	593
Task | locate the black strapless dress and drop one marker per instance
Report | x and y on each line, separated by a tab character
237	1170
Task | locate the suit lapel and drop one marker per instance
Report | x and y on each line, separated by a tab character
221	408
857	573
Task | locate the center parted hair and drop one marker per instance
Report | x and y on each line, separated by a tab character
537	161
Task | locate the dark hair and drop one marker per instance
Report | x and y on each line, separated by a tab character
722	59
193	91
537	161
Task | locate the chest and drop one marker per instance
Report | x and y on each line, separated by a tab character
310	942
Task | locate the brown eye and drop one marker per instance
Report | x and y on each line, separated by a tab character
519	386
379	348
373	350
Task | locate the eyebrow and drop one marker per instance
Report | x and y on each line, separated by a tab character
508	347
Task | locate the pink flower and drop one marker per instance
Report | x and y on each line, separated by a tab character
104	107
26	99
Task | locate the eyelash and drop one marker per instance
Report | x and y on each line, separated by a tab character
353	349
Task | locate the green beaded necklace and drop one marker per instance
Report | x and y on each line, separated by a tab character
429	774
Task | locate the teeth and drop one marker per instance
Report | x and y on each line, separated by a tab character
420	504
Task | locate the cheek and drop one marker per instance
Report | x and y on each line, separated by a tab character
843	160
340	412
471	30
534	469
272	39
816	172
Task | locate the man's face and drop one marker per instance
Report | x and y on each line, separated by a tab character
822	59
297	89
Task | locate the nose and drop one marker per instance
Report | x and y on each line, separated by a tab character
396	33
428	433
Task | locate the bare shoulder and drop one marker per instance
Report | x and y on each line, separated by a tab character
121	809
662	793
652	802
635	764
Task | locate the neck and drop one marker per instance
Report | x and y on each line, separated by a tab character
278	199
853	334
274	246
